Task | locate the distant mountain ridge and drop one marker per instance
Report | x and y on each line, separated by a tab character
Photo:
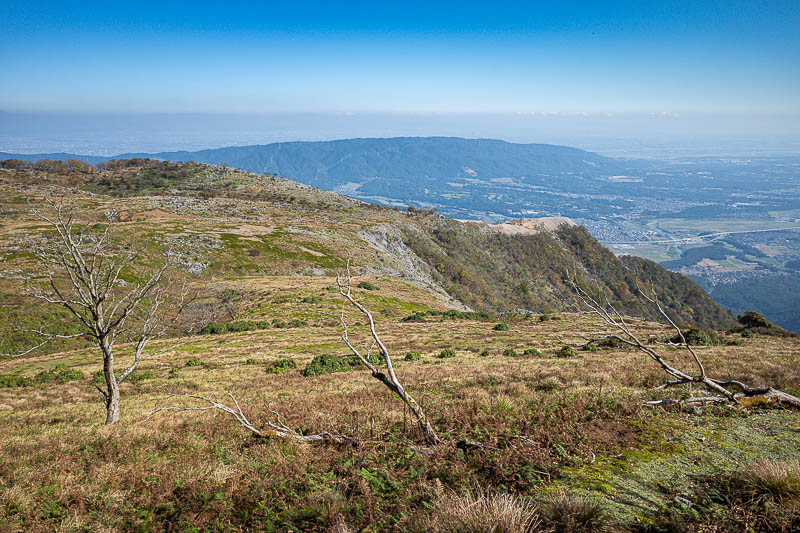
331	164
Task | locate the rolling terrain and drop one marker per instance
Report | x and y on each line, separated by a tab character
666	211
517	411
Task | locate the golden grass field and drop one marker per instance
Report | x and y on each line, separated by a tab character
582	420
564	442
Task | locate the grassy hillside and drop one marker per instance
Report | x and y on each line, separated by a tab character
227	223
546	423
518	413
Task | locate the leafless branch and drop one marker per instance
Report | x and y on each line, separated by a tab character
389	378
270	429
83	273
720	388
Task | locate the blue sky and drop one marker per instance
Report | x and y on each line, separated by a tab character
731	57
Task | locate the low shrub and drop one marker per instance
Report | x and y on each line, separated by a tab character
452	314
532	352
755	324
281	366
312	300
59	374
545	318
612	343
567	351
703	337
330	363
510	352
366	285
412	356
194	361
485	353
136	377
589	347
173	373
446	354
216	328
501	327
751	319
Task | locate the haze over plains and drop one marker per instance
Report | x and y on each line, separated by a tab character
645	80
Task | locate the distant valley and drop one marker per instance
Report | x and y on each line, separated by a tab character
731	224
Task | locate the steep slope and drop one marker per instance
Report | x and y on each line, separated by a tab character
496	271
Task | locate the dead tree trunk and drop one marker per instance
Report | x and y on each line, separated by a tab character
83	275
389	378
721	391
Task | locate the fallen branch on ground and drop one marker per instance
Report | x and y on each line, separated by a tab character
720	390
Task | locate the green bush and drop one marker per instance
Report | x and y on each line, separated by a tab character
59	374
485	353
501	327
312	300
194	361
567	351
420	316
281	366
611	343
412	356
252	362
330	363
590	347
532	352
510	352
751	319
703	337
446	354
173	373
544	318
136	377
7	381
216	328
368	286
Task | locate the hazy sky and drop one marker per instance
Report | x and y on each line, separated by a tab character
737	57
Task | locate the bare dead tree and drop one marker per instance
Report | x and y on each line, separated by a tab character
720	391
83	274
389	378
277	429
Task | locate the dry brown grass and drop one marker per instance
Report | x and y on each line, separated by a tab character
58	466
779	480
536	417
480	513
568	513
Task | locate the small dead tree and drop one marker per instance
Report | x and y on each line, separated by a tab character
83	274
278	428
389	378
720	391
